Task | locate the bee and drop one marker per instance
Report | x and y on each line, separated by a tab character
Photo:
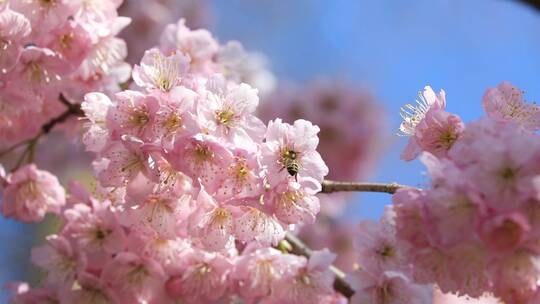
290	162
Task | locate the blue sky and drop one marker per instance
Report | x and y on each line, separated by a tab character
393	47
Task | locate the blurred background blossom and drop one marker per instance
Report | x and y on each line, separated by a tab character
346	65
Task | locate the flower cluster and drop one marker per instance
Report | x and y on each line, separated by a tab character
208	57
30	193
51	48
194	193
110	261
476	229
382	273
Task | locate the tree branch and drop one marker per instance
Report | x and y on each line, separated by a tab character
300	248
72	110
28	153
329	186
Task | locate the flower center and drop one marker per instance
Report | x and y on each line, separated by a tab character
507	173
139	117
173	122
203	153
447	138
66	40
224	117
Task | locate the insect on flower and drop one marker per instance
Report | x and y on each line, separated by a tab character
289	159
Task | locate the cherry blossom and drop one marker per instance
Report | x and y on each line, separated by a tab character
505	102
31	193
292	145
195	199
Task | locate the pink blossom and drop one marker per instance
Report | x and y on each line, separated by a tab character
228	111
502	175
468	267
159	213
124	160
408	205
170	180
45	15
254	224
335	235
506	231
72	42
288	145
377	246
95	107
212	223
256	272
242	179
388	288
95	227
160	72
41	69
201	157
199	45
238	65
505	102
452	216
516	277
132	115
175	118
60	260
166	252
30	193
106	56
296	202
133	277
414	114
435	133
14	28
92	290
307	281
441	298
202	278
475	229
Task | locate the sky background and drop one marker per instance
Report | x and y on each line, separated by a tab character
392	47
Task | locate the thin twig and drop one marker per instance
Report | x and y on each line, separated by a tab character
29	151
329	186
300	248
15	146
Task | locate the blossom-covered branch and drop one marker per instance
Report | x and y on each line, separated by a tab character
300	248
329	186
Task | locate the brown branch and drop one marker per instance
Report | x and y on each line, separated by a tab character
300	248
329	186
28	153
72	111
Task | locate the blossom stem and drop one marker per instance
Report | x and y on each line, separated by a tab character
329	186
300	248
